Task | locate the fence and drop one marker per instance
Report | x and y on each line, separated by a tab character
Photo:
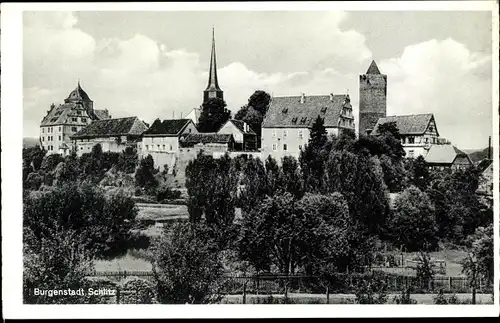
341	283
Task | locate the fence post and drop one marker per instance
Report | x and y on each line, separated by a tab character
124	274
449	283
327	295
118	296
245	292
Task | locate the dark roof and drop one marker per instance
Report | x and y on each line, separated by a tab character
241	126
78	94
289	112
64	113
112	127
414	124
373	69
205	138
443	154
167	127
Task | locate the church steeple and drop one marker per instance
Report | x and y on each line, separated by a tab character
213	90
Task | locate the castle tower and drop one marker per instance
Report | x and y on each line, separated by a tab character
213	90
372	98
78	95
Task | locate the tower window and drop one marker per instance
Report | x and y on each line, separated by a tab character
79	112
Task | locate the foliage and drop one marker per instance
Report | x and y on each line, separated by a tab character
371	289
58	261
412	223
50	162
425	272
127	160
419	173
33	181
442	299
292	180
33	157
359	178
254	112
480	262
103	222
144	175
186	269
274	175
254	181
139	291
213	115
404	298
167	194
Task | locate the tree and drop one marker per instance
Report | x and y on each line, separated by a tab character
213	115
480	261
185	268
274	175
254	181
254	112
50	162
425	272
371	289
413	224
318	133
419	173
259	100
359	178
103	222
127	161
292	180
144	175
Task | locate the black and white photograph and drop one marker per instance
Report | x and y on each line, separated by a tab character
241	154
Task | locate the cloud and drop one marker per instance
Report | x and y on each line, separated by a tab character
447	79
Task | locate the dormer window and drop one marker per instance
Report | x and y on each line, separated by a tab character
294	120
285	110
79	112
323	110
74	119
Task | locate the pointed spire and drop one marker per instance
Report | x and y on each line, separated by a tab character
213	83
373	69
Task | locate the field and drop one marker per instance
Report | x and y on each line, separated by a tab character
125	263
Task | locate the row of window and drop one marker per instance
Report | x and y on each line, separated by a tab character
50	138
285	147
158	147
51	129
285	133
411	140
84	120
50	147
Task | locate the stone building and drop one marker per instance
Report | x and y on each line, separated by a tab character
418	132
245	138
114	135
286	126
372	98
161	140
67	119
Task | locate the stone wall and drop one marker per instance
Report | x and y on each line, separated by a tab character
372	100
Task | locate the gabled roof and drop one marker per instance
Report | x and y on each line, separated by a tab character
444	154
112	127
290	112
64	113
205	138
240	125
373	69
414	124
170	127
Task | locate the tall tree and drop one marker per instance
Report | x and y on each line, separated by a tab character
213	115
292	180
254	112
254	181
144	175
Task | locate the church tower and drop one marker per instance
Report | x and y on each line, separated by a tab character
213	90
372	98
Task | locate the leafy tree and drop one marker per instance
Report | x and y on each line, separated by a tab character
260	100
33	181
33	157
103	222
254	112
318	133
359	178
420	176
371	289
413	224
50	162
186	269
144	175
425	272
274	175
292	180
255	183
480	262
213	115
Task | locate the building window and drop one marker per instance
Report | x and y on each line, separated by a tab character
411	153
301	134
59	137
163	147
285	133
74	129
411	140
84	120
284	147
43	130
274	147
79	112
147	147
74	119
59	129
158	147
300	147
274	133
170	147
189	130
43	138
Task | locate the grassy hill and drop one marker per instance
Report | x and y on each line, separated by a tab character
30	142
480	155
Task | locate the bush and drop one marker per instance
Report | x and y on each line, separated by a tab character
167	194
136	291
371	289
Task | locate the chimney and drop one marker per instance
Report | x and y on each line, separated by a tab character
302	98
331	97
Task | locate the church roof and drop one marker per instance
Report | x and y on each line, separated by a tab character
205	138
167	127
414	124
373	69
78	94
443	154
213	83
291	112
112	127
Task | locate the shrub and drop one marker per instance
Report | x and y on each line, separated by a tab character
371	289
404	298
136	291
167	194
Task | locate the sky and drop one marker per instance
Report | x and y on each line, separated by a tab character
155	64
